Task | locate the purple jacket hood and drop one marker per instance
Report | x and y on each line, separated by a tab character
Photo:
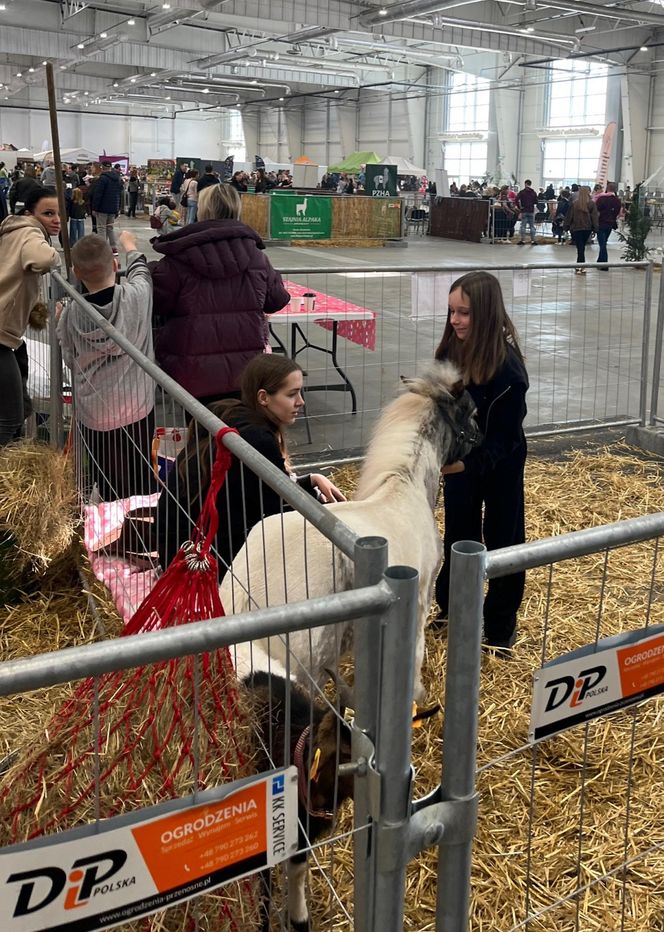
211	248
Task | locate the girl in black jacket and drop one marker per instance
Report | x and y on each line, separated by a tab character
271	399
483	493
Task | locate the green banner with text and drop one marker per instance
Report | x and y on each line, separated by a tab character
300	216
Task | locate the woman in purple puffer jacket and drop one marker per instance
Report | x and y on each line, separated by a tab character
212	291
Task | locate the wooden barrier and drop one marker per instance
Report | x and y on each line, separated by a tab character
463	218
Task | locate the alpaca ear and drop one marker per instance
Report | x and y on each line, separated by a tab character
457	390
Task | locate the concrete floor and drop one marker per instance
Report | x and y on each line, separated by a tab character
582	335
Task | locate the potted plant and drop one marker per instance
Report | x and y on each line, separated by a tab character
637	227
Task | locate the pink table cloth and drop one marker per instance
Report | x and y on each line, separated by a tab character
355	323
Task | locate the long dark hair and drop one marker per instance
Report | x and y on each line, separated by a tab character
35	195
483	352
266	371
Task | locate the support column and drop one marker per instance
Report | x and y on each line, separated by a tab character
294	132
634	90
506	107
416	108
346	117
250	126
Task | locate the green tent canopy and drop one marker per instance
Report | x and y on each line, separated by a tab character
355	162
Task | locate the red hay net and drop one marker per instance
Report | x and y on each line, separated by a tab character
133	738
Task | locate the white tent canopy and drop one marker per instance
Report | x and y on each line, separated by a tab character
404	167
68	155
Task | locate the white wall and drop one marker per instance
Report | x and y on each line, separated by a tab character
140	138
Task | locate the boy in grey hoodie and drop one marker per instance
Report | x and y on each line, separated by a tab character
113	396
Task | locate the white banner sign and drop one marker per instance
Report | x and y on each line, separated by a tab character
589	683
84	881
429	294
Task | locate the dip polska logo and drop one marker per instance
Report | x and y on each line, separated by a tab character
87	877
573	691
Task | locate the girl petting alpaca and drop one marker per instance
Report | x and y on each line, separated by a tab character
480	338
271	398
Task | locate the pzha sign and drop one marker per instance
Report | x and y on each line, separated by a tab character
594	681
300	216
126	868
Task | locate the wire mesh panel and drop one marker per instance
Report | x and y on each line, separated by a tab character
145	469
582	335
569	835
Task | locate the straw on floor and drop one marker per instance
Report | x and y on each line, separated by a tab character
596	792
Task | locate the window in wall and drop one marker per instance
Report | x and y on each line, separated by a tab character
570	160
577	94
465	161
468	104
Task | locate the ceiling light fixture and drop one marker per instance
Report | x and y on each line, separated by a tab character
80	45
131	22
382	11
583	29
206	90
133	80
644	48
103	35
31	70
19	74
153	74
281	98
115	84
45	62
63	67
3	7
168	98
165	6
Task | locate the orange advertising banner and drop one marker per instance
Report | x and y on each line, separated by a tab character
130	866
641	666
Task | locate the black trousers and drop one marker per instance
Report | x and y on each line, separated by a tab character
133	200
489	510
580	238
12	409
120	460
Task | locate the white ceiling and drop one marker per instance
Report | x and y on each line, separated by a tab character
159	55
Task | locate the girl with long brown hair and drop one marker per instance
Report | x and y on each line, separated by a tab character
581	220
271	399
483	493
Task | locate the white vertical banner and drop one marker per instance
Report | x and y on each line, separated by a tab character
429	294
521	283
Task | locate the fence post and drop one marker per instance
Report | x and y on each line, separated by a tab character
462	687
56	432
657	360
393	741
370	564
645	349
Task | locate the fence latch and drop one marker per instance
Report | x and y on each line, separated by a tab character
432	822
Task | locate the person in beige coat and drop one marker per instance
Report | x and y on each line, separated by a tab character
25	255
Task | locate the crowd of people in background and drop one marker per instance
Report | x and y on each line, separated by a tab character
576	214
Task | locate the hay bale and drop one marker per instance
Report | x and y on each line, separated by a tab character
38	516
588	784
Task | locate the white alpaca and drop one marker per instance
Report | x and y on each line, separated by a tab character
301	208
285	559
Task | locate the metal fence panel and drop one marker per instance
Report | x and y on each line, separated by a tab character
572	835
585	338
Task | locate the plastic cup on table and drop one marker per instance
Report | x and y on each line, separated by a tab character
309	301
296	304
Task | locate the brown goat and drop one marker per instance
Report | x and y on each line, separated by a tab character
319	741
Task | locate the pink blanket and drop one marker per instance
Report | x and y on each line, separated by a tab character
127	584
